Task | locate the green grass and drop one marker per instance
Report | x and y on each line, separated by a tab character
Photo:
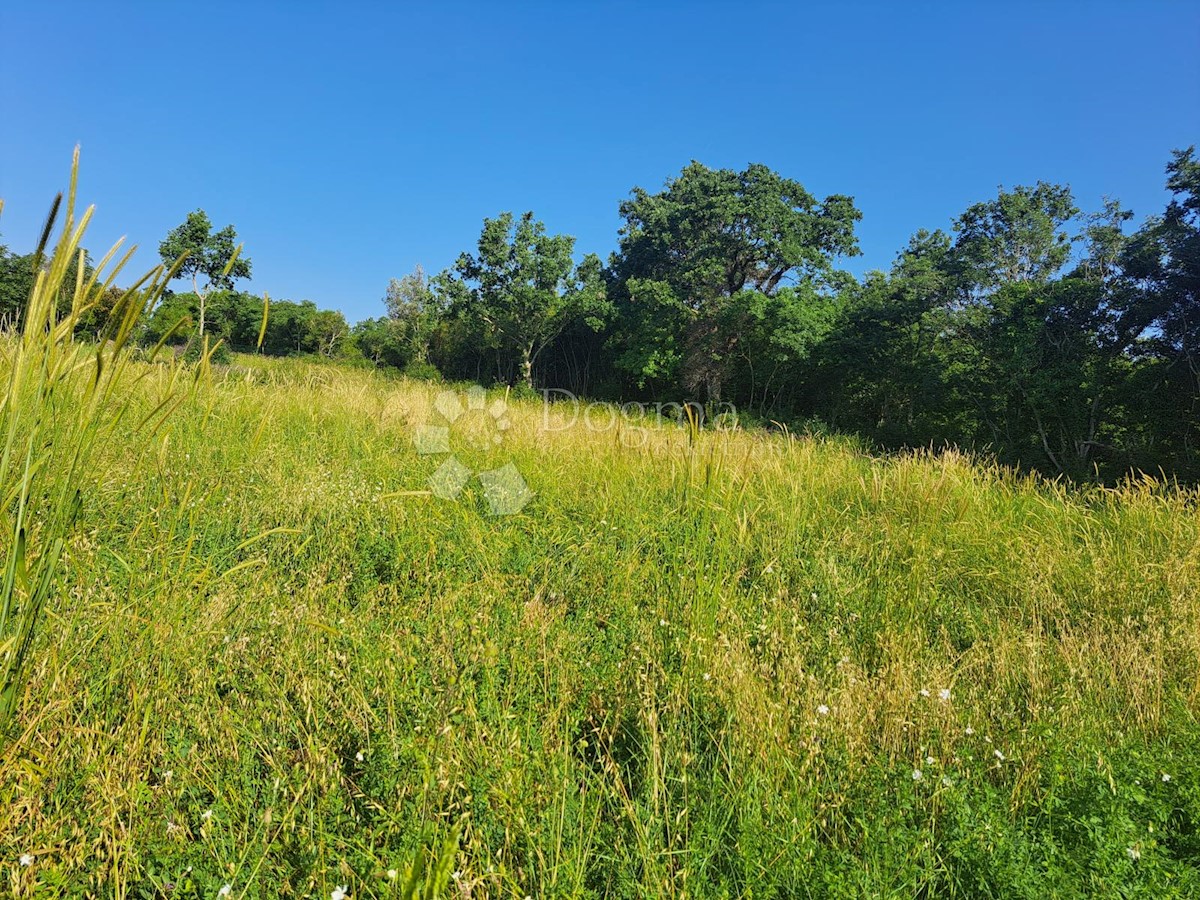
245	649
615	692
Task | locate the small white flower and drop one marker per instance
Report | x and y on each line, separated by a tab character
662	622
929	760
171	826
1133	853
456	875
26	859
918	774
924	692
338	893
393	874
946	782
822	710
206	815
359	756
1166	777
970	731
707	677
944	694
998	755
225	891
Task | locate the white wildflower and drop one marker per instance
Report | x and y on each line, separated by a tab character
944	694
225	891
946	782
1133	853
822	710
359	756
924	692
26	859
918	774
1166	777
970	731
338	893
998	755
929	760
206	815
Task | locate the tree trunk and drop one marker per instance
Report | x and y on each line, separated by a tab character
527	366
203	297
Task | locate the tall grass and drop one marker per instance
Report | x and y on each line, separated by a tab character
61	399
696	664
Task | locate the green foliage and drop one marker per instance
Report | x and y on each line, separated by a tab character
691	256
236	319
523	288
214	256
60	403
1015	238
414	311
17	275
692	666
1162	262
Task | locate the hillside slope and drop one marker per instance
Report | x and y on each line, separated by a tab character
710	664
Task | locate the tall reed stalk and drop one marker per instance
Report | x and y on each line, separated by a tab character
61	398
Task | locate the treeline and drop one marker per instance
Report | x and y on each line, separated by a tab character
1052	338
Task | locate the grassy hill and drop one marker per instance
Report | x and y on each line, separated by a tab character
721	663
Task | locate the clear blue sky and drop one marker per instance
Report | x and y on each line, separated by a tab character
348	142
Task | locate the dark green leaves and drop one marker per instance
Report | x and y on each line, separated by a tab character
209	255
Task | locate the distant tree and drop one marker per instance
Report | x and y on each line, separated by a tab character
1018	237
214	256
414	311
712	238
524	287
379	341
1161	263
884	369
175	316
94	321
327	332
17	275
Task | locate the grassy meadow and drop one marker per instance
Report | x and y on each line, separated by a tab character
695	664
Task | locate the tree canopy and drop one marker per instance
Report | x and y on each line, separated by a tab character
214	256
1046	336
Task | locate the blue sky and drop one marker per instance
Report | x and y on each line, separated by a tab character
349	142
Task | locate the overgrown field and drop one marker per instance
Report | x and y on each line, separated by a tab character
715	664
